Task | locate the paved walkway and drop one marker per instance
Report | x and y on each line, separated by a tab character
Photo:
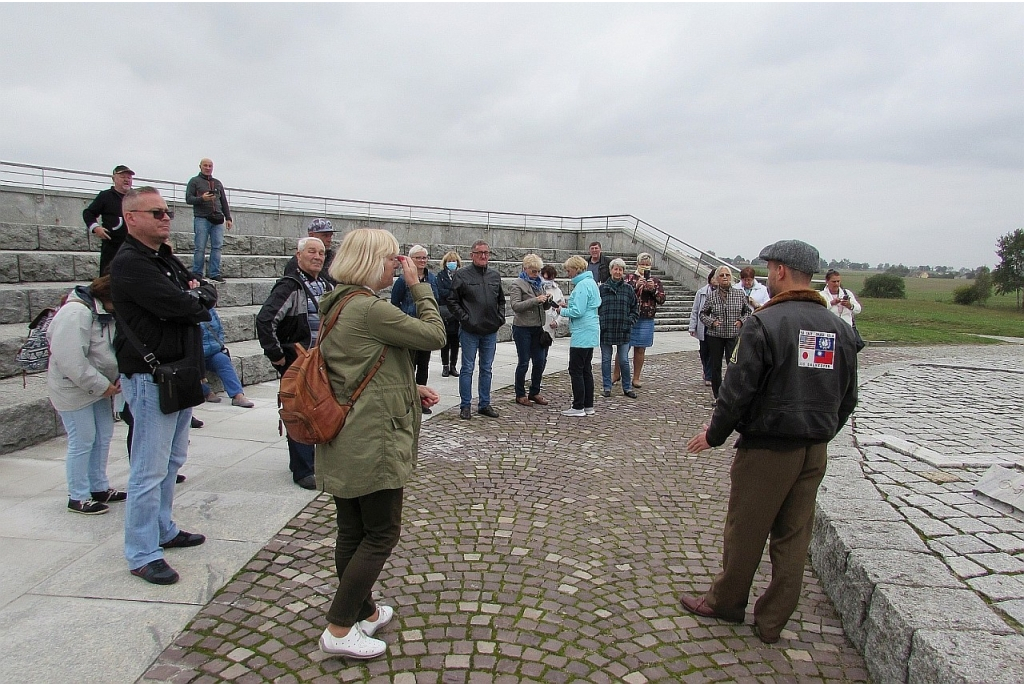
535	547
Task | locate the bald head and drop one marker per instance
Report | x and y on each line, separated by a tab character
206	166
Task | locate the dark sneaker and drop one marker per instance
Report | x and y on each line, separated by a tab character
157	572
111	495
466	413
307	483
426	410
87	506
219	279
179	478
488	411
606	393
445	372
196	423
630	393
183	539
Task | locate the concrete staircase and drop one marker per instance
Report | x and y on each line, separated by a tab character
41	263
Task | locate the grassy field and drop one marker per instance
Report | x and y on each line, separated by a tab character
928	315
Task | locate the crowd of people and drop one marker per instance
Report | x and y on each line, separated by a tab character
789	390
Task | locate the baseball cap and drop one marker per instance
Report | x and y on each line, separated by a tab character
122	169
320	226
796	254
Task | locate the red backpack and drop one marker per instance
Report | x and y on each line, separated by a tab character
308	408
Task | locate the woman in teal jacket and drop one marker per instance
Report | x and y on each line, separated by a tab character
585	327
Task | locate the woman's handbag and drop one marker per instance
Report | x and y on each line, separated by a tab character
861	344
545	339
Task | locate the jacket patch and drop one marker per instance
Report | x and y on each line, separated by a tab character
817	350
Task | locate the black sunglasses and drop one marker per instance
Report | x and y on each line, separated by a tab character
158	214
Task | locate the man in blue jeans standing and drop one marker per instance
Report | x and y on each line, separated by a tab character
478	302
212	214
161	304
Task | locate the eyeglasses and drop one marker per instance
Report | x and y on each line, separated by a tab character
422	256
158	214
482	254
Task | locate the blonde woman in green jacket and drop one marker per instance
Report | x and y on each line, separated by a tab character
367	465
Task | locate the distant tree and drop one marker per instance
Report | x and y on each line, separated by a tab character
1009	274
898	270
887	286
965	294
978	292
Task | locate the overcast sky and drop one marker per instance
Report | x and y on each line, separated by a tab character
877	132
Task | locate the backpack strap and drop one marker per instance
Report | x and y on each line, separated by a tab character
326	328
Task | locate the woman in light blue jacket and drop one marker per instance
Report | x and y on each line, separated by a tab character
585	327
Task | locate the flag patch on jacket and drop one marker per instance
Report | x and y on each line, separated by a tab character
817	349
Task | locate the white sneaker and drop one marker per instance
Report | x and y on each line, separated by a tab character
384	616
574	412
355	645
589	411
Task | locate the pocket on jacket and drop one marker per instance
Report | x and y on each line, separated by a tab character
403	422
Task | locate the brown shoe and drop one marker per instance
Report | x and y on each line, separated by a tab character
523	401
767	639
538	399
699	606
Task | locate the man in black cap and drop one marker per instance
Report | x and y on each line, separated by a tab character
791	387
103	216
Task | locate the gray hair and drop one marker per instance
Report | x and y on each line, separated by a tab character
617	262
304	241
644	257
416	249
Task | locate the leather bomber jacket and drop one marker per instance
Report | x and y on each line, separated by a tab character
477	300
768	397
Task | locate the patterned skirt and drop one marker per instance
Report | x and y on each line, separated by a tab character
642	334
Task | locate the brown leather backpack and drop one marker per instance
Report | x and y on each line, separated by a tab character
306	403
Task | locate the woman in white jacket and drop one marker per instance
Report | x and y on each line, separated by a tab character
840	302
82	379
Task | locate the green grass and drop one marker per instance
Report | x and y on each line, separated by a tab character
928	315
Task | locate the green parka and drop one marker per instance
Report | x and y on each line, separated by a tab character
376	450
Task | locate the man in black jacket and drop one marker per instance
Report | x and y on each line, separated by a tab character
103	216
211	216
159	301
791	387
290	316
478	302
599	264
323	230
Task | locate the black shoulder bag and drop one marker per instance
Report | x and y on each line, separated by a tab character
180	382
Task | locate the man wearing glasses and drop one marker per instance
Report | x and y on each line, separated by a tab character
478	302
161	303
104	218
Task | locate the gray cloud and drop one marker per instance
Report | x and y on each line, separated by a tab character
878	132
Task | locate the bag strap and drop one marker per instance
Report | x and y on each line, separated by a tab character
139	346
326	328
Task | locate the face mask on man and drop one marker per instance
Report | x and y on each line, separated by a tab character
452	266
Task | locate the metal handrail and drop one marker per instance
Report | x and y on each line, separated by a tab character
656	240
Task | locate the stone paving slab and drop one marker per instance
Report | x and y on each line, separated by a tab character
535	548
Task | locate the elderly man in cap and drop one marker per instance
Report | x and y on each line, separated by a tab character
791	387
322	229
104	219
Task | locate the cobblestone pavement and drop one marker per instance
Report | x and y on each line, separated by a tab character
535	547
963	405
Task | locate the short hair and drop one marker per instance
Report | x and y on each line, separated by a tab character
478	244
532	261
719	270
617	262
451	256
644	257
131	198
830	273
416	249
576	262
362	256
549	272
747	272
304	241
594	243
100	289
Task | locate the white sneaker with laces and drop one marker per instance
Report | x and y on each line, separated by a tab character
384	616
589	411
574	412
355	645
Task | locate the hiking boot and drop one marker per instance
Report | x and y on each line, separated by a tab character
87	506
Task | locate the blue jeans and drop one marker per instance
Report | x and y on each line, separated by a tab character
204	231
159	448
89	432
527	339
220	364
625	373
486	345
301	459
